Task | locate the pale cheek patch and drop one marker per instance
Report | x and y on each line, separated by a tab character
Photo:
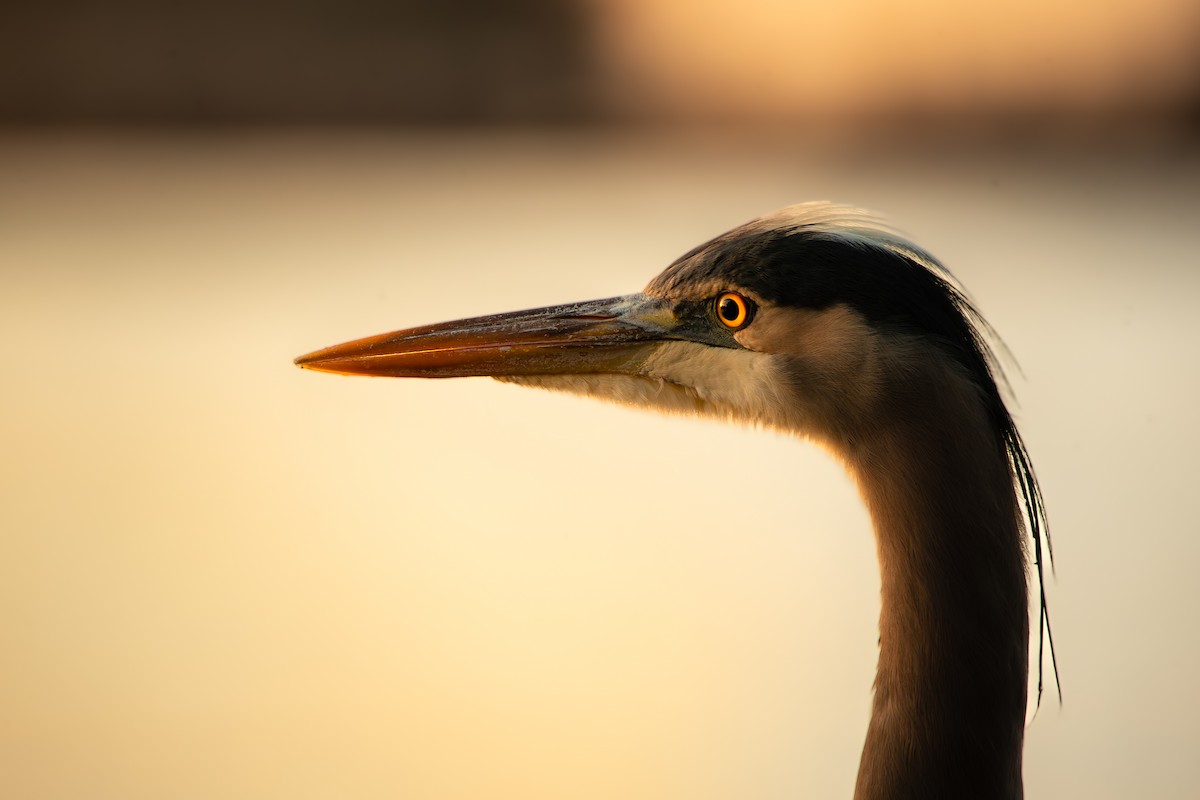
630	390
737	384
691	379
834	355
832	336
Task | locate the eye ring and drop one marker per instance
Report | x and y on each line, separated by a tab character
733	310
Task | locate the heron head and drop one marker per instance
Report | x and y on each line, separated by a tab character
796	321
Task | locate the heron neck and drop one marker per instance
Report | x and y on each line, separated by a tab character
950	690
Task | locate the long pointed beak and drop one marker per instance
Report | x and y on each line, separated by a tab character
597	336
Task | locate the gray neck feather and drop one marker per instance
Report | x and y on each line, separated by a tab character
950	690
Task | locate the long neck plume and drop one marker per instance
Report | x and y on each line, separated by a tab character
950	690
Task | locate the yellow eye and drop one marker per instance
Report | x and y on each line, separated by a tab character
733	310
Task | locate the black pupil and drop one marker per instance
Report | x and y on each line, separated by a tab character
729	309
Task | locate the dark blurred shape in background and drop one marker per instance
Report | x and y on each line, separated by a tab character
868	68
282	61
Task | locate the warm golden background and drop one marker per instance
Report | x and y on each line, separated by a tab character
223	577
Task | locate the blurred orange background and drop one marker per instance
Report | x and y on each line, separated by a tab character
221	576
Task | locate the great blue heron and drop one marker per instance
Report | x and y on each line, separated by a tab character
821	321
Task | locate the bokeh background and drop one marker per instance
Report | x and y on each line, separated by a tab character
223	577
